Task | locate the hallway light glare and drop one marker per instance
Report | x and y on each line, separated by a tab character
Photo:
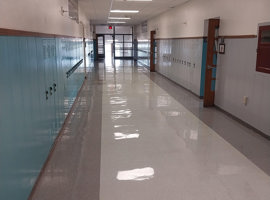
124	11
123	136
134	0
112	22
136	174
119	18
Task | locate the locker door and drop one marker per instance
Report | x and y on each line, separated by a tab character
54	85
48	73
59	84
44	128
7	86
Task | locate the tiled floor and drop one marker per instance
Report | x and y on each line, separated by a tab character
155	145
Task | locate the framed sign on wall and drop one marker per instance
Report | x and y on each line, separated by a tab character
222	48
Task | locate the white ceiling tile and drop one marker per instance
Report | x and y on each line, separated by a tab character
99	10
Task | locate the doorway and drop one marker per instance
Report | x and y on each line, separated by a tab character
152	51
123	46
100	47
109	50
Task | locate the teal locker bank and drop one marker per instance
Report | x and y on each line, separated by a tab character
36	96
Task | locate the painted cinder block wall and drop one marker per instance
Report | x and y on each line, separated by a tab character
236	70
29	66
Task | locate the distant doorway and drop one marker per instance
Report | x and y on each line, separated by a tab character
152	51
109	51
123	46
100	47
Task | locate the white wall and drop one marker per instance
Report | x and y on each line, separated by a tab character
41	16
139	35
238	17
237	77
236	70
103	29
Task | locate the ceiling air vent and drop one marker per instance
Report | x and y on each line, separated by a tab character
73	10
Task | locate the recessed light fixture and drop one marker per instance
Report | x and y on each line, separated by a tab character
115	22
124	11
119	17
134	0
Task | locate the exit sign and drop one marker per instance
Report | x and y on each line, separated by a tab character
110	27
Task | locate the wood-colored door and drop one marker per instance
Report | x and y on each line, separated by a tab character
210	73
152	51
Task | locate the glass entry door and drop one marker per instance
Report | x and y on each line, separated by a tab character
101	46
123	46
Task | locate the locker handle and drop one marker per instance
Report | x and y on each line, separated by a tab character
54	87
209	67
51	90
46	92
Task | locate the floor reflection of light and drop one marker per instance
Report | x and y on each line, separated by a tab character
113	87
121	114
193	135
136	174
173	114
146	88
228	170
118	100
123	136
163	101
120	126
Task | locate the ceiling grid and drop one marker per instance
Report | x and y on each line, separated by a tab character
98	11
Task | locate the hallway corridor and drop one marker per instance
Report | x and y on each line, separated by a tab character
129	139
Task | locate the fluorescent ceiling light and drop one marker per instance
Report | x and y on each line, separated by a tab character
134	0
119	17
115	22
124	11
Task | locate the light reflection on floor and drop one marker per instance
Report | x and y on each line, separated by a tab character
136	174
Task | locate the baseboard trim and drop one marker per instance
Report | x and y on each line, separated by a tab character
238	36
181	38
203	37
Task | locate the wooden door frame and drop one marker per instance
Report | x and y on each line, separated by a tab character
152	51
209	94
